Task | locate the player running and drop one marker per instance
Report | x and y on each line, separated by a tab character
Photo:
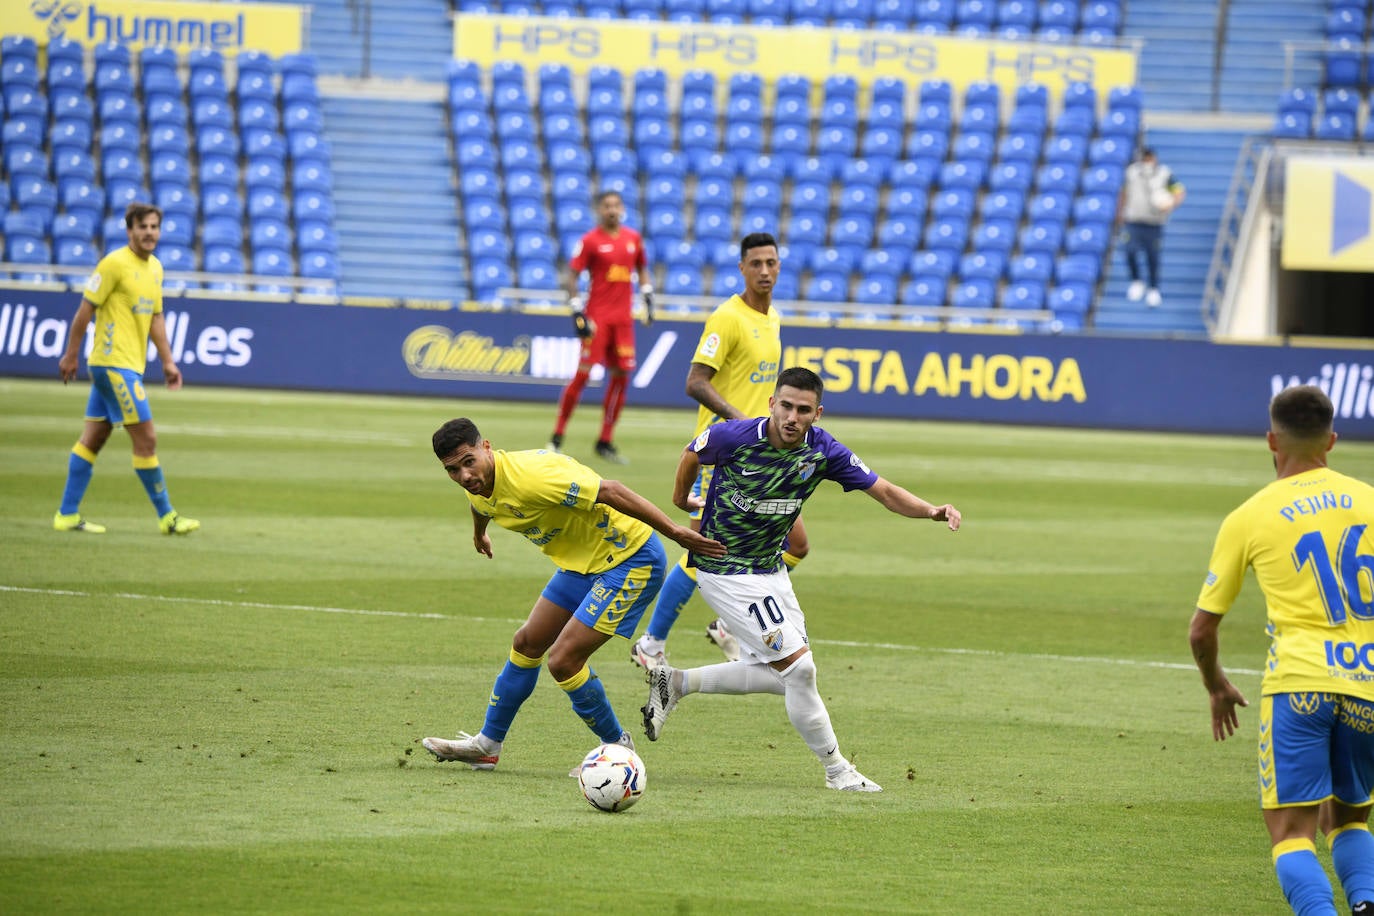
765	468
600	535
732	375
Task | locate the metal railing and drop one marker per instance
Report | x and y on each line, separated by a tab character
360	18
1236	220
75	276
821	313
1313	55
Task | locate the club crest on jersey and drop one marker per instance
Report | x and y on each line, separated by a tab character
859	463
700	442
773	640
513	511
806	468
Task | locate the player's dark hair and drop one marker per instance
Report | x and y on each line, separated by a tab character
135	212
453	434
611	193
1303	412
803	379
755	240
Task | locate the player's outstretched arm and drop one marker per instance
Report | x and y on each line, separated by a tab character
615	494
904	502
1222	694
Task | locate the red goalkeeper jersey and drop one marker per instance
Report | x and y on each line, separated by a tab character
612	261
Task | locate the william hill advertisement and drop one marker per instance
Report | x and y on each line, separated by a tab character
1191	386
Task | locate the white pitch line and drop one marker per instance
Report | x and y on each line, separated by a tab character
361	612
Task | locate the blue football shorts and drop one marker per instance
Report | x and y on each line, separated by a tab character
1315	746
117	395
612	602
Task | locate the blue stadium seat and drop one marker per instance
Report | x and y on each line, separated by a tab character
164	139
175	256
980	118
177	199
1002	205
919	173
1121	124
266	203
1068	150
267	233
77	252
218	170
859	200
79	197
899	235
683	281
1094	208
934	115
881	263
121	164
1335	125
1024	296
1029	118
726	282
827	287
170	168
923	291
1101	179
947	235
907	201
1070	303
537	275
954	203
489	244
1057	176
1043	237
975	293
969	175
1342	100
177	230
1035	266
937	265
1078	268
221	232
112	77
1089	239
313	235
877	289
996	236
982	265
1051	205
938	13
65	74
743	137
1102	16
71	106
529	216
975	147
928	144
1019	147
312	205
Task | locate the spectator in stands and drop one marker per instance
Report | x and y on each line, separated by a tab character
124	296
1316	753
1149	195
610	253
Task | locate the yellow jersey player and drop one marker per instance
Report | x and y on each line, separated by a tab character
732	376
600	535
124	297
1307	537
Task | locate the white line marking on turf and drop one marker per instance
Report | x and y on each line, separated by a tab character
418	615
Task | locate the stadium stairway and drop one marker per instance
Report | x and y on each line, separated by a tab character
393	190
411	39
1176	62
1252	63
1203	160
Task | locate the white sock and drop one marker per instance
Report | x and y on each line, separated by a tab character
732	678
651	645
488	745
807	711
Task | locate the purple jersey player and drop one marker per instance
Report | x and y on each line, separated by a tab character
765	469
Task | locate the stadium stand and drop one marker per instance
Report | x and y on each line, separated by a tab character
86	134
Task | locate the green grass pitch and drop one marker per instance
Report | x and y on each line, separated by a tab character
230	722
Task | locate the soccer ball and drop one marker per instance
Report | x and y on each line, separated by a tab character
612	777
1162	199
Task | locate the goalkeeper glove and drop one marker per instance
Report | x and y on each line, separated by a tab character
581	323
647	293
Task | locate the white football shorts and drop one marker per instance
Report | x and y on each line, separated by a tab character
760	609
